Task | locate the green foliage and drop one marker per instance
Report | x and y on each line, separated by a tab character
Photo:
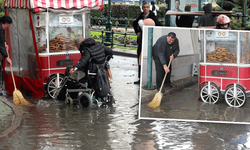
240	2
2	8
235	23
133	11
96	14
124	10
161	13
248	11
119	11
227	5
236	9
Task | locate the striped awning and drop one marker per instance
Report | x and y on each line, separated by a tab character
66	4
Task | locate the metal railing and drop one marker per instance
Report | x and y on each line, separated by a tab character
119	23
124	42
116	22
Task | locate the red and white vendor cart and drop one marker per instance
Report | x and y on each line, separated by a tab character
224	66
41	40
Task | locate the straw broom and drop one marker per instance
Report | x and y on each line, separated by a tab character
158	96
18	98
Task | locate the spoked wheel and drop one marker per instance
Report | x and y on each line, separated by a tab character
52	86
85	101
210	93
235	96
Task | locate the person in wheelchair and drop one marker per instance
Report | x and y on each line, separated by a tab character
93	55
93	51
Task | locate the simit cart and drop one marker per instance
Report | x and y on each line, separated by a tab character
42	41
224	66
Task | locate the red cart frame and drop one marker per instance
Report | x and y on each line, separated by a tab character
225	66
39	52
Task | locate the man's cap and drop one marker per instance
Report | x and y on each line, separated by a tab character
188	8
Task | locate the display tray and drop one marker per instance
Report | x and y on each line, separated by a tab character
199	13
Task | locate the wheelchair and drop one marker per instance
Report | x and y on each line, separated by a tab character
78	88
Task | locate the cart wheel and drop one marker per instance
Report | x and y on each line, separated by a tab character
211	95
85	101
51	86
235	96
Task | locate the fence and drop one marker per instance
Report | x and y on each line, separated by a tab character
124	23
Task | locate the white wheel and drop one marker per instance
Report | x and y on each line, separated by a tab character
235	96
210	94
52	86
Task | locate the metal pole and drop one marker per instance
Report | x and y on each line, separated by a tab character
199	9
149	85
108	24
167	17
222	5
244	21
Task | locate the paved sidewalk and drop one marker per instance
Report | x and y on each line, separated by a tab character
11	119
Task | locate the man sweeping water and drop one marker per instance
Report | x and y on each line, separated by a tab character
165	50
5	22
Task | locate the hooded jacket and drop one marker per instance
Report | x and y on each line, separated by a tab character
208	19
184	21
94	50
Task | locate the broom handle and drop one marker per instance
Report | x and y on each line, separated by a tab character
11	72
165	75
12	76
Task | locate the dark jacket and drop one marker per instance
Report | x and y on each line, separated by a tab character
137	27
208	19
163	50
2	42
184	21
94	50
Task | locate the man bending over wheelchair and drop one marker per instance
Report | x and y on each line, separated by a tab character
93	51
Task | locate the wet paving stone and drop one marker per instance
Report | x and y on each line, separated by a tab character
66	127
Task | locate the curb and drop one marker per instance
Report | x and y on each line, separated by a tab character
17	124
150	97
122	53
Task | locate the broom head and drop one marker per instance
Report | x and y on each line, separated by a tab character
156	101
16	100
19	99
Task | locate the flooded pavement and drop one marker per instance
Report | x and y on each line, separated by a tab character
182	105
68	127
6	116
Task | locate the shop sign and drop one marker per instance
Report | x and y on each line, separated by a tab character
221	35
63	63
65	19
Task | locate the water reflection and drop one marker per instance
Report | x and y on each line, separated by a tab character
64	127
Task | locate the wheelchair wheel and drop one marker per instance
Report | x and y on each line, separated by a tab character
84	100
111	98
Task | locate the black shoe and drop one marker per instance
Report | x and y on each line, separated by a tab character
172	85
162	90
137	82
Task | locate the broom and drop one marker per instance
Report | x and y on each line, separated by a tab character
158	96
18	98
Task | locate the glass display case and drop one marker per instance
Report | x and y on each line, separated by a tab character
63	30
221	46
245	47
